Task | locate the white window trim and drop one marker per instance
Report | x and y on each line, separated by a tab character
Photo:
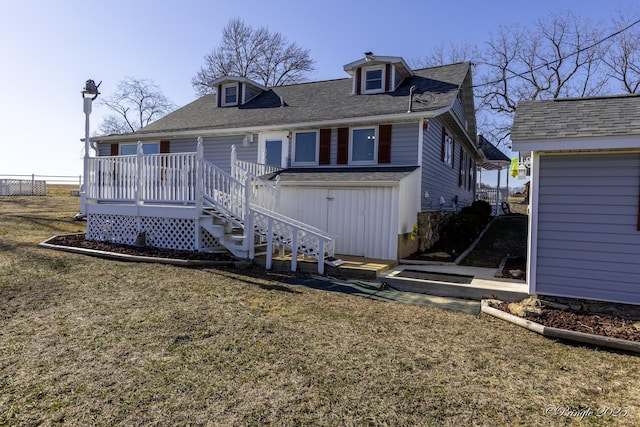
293	150
224	95
448	150
262	153
363	89
375	147
135	144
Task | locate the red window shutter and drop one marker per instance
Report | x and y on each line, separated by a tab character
165	147
219	95
384	144
387	80
358	80
444	136
343	146
115	149
325	147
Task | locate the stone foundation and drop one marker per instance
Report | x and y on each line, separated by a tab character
430	227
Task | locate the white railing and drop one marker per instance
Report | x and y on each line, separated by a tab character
155	178
299	237
240	168
221	191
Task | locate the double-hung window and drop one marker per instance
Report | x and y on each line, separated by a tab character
373	80
305	148
132	149
230	94
364	146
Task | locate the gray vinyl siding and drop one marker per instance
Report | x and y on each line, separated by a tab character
218	150
438	178
404	146
397	81
104	150
588	239
458	110
250	92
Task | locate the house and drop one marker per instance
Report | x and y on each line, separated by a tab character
354	161
584	225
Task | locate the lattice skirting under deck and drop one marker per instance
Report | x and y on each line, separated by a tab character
169	233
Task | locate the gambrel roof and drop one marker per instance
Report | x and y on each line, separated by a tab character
321	103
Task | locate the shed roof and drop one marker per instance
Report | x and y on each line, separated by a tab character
577	118
494	158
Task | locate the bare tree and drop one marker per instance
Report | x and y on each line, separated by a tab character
134	104
623	55
256	54
559	57
447	53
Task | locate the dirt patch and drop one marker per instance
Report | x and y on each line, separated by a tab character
80	241
619	321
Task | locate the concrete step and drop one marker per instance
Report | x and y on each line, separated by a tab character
454	281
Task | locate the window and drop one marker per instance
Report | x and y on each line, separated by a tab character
373	80
305	148
132	149
363	148
230	95
447	147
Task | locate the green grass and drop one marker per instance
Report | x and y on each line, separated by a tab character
88	341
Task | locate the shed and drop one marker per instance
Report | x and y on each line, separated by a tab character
371	211
584	224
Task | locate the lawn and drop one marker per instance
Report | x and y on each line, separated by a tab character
89	341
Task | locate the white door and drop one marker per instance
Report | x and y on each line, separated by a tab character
273	149
346	219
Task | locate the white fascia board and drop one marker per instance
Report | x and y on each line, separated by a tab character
574	144
354	121
244	80
377	60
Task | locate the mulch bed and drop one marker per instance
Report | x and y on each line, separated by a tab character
80	241
624	328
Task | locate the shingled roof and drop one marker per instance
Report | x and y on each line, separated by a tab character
319	102
577	118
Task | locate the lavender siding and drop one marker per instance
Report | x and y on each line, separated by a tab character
588	242
440	179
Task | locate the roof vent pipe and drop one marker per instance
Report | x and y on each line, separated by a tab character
413	88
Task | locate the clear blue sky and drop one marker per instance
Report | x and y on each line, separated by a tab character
49	48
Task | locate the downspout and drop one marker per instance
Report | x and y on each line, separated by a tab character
413	88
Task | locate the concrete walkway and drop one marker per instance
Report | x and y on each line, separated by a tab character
481	282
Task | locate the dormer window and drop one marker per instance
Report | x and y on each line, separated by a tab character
373	80
377	74
234	91
229	95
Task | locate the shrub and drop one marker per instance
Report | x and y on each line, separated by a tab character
463	227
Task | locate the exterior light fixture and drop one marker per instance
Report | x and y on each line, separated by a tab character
89	94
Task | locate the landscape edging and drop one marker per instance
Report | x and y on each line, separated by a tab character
559	333
132	258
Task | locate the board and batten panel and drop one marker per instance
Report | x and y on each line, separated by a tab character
588	242
363	219
438	178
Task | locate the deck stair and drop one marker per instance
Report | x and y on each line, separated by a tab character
242	217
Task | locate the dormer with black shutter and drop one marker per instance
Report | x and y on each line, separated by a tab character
377	74
235	91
